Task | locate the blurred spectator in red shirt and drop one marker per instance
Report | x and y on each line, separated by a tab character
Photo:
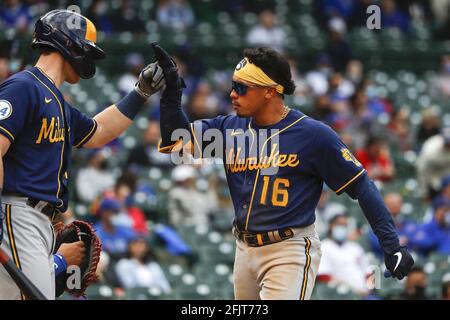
124	193
376	160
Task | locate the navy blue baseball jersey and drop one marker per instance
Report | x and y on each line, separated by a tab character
304	153
42	128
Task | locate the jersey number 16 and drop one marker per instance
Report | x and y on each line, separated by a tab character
280	195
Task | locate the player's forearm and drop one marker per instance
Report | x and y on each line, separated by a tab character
172	118
111	123
376	213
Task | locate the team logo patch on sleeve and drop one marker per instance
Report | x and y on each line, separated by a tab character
5	109
348	156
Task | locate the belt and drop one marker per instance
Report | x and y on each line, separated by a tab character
253	239
44	207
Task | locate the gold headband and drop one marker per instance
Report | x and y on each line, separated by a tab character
247	71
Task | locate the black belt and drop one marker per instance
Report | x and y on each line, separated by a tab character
254	239
44	207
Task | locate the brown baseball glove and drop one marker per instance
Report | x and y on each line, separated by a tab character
73	232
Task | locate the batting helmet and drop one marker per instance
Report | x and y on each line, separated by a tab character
72	35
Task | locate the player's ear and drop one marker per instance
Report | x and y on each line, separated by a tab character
270	92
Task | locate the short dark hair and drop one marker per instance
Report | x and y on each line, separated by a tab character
274	64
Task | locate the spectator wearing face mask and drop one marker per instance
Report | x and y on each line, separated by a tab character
343	261
415	286
434	236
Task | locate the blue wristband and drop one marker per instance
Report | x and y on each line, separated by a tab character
131	104
59	263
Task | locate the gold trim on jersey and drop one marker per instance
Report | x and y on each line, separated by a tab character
168	149
12	242
63	145
306	269
88	136
353	179
257	173
8	133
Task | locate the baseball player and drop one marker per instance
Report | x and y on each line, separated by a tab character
275	190
37	132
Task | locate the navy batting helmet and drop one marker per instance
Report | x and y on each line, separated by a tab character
72	35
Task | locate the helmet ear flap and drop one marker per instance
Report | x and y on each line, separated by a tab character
43	28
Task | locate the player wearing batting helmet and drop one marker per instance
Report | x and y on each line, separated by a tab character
38	130
275	176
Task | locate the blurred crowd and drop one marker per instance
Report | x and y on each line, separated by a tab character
139	201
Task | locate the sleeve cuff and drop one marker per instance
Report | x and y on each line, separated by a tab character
88	136
7	134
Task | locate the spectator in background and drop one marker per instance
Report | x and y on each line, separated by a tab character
429	126
445	189
433	163
146	155
415	285
399	130
204	103
317	79
343	261
340	89
4	69
94	179
326	210
126	18
391	17
405	227
175	14
140	268
125	190
440	85
376	159
445	290
354	72
434	236
338	8
98	14
16	15
188	206
267	33
339	48
323	110
359	15
134	63
301	87
115	238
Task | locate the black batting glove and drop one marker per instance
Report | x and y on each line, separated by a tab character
169	67
399	263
